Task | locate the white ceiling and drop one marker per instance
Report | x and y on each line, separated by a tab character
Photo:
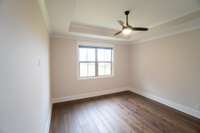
104	14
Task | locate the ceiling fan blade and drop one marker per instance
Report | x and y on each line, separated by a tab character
117	33
121	23
139	28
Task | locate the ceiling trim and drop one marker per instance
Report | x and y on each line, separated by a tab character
77	37
174	18
43	8
79	28
179	25
166	35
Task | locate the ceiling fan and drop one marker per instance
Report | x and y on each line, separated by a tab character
126	28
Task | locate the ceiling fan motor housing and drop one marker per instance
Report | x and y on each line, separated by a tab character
127	12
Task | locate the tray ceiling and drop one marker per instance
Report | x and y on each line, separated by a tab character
156	14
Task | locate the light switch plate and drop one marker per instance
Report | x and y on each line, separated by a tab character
38	62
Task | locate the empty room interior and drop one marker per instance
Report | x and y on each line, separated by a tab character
99	66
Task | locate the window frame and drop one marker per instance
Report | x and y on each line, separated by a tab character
96	47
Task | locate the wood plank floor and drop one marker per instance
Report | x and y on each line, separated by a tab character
120	113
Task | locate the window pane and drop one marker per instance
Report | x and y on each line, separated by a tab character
104	54
87	69
83	69
100	56
91	69
104	69
87	54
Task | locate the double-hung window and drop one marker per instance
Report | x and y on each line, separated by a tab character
95	61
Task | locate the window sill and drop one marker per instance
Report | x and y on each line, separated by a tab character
94	78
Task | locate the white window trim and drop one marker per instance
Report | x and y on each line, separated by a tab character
94	44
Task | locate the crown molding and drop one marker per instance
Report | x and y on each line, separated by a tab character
43	8
90	30
166	35
175	18
179	25
78	37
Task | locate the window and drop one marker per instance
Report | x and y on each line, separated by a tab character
95	61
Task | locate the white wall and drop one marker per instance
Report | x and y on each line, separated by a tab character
169	68
64	79
24	85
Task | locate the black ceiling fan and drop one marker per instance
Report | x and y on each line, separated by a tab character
126	28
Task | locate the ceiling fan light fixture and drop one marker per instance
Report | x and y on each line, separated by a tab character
126	28
126	31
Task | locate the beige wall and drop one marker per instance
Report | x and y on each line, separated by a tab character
64	81
169	68
24	84
166	68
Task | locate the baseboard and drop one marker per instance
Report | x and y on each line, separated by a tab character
88	94
48	121
172	104
179	107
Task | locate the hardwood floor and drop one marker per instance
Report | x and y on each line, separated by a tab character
120	113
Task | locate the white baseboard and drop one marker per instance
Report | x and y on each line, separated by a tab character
161	100
88	94
169	103
48	121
